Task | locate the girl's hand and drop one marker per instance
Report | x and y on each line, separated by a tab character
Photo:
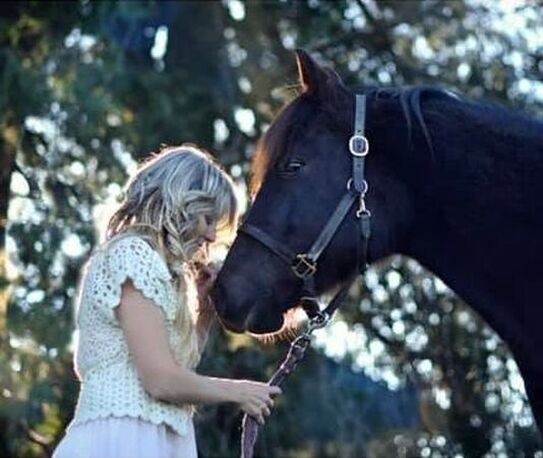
205	277
204	280
255	398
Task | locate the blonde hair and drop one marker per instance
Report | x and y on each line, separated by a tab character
163	203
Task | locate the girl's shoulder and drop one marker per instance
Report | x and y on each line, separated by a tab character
128	242
133	251
128	257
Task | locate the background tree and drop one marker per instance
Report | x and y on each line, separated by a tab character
89	87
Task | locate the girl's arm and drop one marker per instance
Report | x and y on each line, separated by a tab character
143	325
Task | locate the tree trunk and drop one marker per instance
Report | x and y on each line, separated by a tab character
8	142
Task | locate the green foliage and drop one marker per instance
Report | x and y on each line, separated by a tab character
84	93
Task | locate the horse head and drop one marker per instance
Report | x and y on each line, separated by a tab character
300	171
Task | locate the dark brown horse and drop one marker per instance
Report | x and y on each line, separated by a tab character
454	184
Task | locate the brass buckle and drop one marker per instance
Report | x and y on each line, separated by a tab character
303	266
359	145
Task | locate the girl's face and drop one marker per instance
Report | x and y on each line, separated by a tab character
206	229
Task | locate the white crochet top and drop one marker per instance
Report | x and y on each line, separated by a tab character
109	382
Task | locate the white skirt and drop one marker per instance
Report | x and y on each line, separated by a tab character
125	437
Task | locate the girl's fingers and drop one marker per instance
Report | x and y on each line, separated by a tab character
206	274
275	390
210	273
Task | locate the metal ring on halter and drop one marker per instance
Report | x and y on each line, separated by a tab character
319	320
363	211
350	184
302	341
359	145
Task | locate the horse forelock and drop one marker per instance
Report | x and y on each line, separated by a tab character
275	143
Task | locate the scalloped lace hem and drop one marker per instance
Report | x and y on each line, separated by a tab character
179	427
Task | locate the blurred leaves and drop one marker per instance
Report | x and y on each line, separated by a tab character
82	95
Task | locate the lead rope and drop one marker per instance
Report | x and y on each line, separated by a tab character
358	147
317	320
295	354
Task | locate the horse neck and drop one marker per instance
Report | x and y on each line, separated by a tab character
478	212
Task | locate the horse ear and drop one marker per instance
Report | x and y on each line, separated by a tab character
311	75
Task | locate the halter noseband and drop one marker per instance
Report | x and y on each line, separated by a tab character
304	265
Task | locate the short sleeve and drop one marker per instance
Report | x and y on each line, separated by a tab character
132	258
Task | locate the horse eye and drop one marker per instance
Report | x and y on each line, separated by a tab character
291	167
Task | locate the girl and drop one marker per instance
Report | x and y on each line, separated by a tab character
143	314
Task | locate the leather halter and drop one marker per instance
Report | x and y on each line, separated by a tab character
304	265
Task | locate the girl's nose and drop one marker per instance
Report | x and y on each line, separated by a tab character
211	233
